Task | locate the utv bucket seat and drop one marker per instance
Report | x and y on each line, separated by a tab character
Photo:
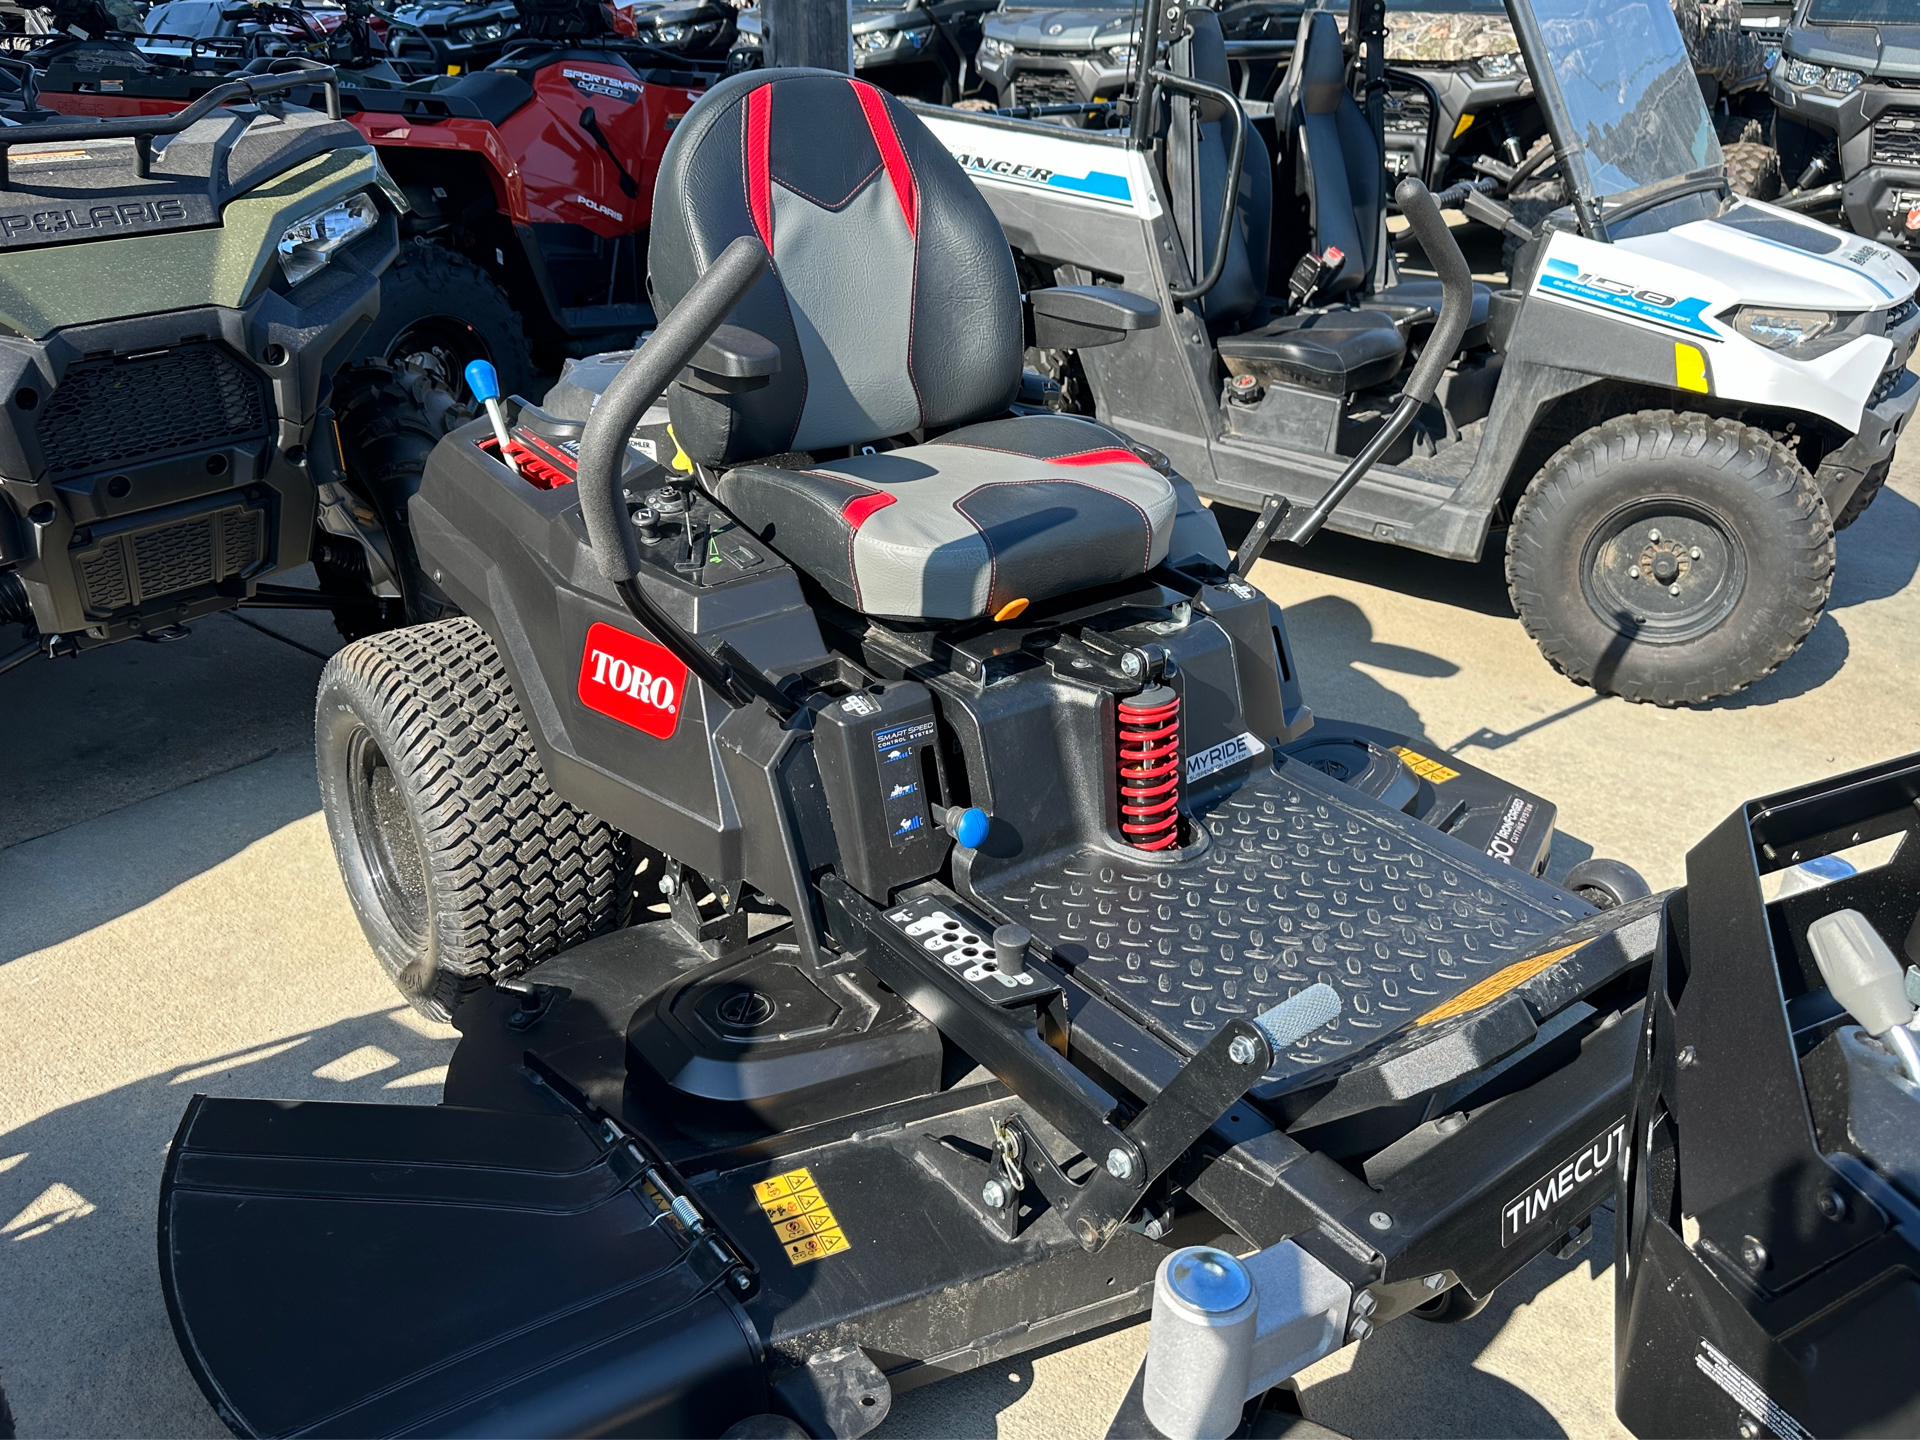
1328	156
893	302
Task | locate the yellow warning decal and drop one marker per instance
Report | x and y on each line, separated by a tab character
800	1215
1430	770
1497	985
1690	368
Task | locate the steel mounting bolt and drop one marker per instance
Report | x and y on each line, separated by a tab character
1381	1220
1359	1330
1694	552
1754	1254
994	1194
1365	1304
1655	536
1434	1281
1131	664
1832	1204
1686	1057
1241	1050
1749	1430
669	883
1119	1164
1674	589
742	1280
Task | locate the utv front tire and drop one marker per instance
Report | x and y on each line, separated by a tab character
1754	169
1670	558
459	859
439	308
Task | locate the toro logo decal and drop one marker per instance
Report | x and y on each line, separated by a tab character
633	680
1562	277
1599	1159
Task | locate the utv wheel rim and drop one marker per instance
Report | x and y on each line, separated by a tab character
439	342
1663	570
384	832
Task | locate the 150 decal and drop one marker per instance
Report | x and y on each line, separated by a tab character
1562	277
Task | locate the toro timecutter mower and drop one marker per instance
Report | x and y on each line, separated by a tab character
1006	923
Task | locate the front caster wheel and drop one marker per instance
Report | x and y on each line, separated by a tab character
460	860
1670	558
1451	1306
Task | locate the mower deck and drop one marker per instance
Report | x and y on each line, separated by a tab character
1292	881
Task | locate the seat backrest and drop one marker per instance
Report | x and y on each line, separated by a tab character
1197	160
892	295
1337	164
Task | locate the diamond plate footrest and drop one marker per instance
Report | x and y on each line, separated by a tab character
1299	883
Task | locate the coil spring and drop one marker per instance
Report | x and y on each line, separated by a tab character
1150	768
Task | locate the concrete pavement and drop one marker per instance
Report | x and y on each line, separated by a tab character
173	922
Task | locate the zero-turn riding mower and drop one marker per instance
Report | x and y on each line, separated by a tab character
177	293
972	911
1678	400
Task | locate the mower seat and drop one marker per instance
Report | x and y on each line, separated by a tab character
1340	351
893	301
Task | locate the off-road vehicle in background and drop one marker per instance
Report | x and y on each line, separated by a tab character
1848	86
907	47
176	295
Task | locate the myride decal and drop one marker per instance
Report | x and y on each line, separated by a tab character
632	680
1598	1160
1564	278
1218	757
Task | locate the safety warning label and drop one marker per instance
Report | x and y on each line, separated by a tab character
1749	1396
800	1216
1433	771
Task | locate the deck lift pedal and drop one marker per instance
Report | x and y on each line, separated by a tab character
1025	928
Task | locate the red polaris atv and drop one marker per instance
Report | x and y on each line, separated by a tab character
530	182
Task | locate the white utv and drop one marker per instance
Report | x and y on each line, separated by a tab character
1680	398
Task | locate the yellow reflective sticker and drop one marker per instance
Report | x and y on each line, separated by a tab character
1460	126
1431	770
1497	984
799	1213
1690	368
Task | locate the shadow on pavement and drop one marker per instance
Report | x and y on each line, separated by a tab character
85	1344
57	886
118	725
1334	646
1877	555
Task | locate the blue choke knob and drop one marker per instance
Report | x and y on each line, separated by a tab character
482	380
968	827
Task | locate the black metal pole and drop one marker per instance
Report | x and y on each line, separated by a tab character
812	33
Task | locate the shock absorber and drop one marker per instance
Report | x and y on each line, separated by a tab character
1150	768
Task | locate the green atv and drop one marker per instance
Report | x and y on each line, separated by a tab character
177	294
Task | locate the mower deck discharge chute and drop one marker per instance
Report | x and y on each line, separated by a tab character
1021	924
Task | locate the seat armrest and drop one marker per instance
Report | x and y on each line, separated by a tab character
1079	317
731	361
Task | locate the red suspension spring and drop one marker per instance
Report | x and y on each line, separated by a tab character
1150	768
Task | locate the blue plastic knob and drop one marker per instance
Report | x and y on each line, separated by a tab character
482	380
971	828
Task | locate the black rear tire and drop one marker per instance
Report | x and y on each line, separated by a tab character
460	860
1670	558
388	419
438	308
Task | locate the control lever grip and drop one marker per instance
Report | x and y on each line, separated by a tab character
1457	287
642	381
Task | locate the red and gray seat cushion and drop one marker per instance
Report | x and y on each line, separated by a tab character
892	295
893	300
1020	509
